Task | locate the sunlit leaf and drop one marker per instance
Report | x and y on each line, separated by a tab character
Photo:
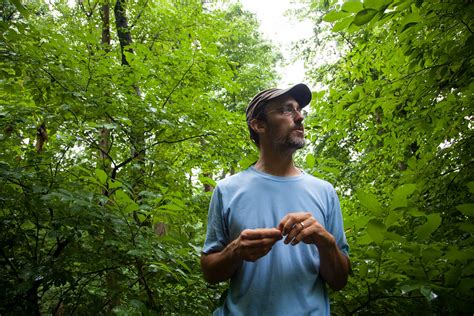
310	161
334	16
352	6
101	175
342	24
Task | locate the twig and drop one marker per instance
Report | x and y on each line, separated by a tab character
139	14
177	84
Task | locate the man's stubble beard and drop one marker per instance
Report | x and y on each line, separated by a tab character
288	142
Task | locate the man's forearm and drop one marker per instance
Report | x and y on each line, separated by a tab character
220	266
334	267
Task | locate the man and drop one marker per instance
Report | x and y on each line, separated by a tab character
250	212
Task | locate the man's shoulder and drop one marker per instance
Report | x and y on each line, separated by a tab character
318	182
235	179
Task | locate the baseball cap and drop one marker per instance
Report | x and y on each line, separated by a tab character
300	92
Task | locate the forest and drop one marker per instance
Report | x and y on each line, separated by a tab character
117	117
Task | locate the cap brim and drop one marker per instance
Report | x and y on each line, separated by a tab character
300	92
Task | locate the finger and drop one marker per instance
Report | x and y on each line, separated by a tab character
303	234
260	243
290	225
295	230
255	234
282	223
290	220
287	222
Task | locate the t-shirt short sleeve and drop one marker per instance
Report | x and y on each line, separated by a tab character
217	236
335	224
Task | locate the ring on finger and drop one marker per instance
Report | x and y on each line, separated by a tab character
302	225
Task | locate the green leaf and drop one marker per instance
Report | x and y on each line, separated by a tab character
131	208
415	212
467	209
405	189
376	4
452	276
468	228
334	15
20	8
115	184
412	18
207	180
248	160
184	265
101	175
392	236
122	197
376	230
352	6
428	293
363	269
432	223
171	207
456	254
369	201
407	288
342	24
400	195
310	161
470	185
364	16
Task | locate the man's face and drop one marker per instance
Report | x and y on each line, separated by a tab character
284	123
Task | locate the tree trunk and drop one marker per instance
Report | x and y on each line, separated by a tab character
137	136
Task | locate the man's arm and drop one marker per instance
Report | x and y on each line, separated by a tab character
334	265
251	245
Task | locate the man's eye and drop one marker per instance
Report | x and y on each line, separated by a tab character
286	109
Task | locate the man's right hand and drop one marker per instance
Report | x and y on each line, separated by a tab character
253	244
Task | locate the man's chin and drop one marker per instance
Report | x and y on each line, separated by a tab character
298	143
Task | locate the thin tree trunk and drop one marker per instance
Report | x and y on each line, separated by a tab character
111	277
41	137
137	134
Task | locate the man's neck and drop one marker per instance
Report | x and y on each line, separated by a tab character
277	164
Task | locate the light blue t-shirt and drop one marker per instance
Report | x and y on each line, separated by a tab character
286	281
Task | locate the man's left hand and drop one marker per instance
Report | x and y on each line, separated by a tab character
302	226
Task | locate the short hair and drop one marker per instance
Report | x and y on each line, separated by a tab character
261	115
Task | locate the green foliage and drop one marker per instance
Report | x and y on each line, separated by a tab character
395	116
110	142
105	145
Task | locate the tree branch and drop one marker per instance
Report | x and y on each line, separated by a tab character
139	14
137	154
415	72
177	84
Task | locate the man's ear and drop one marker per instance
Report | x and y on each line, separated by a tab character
258	126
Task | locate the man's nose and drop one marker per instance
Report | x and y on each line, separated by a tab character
298	116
